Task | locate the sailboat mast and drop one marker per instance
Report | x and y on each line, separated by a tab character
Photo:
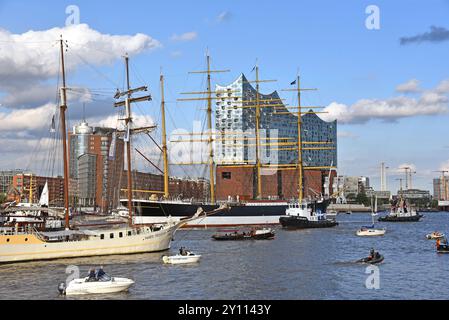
128	144
300	165
63	109
258	162
164	141
209	127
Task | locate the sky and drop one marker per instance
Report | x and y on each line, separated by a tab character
385	80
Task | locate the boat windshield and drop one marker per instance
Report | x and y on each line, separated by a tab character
105	278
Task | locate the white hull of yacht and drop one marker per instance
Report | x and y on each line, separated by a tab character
178	259
31	248
371	233
81	287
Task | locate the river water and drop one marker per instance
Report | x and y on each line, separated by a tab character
297	265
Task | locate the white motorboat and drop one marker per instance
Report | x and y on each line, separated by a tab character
180	259
83	286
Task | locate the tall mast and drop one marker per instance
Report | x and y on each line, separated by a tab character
164	141
128	131
258	162
300	165
210	140
209	127
128	145
258	107
63	109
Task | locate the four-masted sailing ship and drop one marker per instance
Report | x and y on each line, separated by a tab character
26	243
253	212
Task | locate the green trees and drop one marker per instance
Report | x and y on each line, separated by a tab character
363	199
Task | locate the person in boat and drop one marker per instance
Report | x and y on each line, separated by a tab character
372	254
183	251
92	276
100	273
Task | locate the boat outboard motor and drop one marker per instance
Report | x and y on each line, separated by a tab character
62	288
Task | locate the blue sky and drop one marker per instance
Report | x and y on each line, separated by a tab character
326	40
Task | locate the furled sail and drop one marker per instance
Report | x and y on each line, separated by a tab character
44	201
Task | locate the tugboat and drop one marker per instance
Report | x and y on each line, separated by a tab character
303	216
401	212
254	234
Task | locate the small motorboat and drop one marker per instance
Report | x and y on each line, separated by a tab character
184	257
254	234
435	235
374	258
180	259
105	285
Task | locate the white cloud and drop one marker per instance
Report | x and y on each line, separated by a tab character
224	16
23	120
114	122
411	86
443	87
29	64
32	96
188	36
34	54
431	102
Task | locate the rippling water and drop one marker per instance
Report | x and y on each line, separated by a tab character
309	264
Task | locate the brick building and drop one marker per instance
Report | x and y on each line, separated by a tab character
27	188
147	184
95	165
242	182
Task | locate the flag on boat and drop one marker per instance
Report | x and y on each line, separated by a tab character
53	125
113	147
293	83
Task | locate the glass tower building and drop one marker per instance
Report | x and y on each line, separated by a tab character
236	124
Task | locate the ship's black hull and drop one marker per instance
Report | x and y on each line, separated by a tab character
249	214
294	223
401	219
165	209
